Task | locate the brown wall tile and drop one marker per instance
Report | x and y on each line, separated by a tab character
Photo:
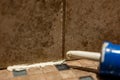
30	31
90	22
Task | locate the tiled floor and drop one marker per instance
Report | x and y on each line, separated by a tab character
52	73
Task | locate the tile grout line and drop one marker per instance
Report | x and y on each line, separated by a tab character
63	28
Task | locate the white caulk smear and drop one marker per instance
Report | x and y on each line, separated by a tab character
25	66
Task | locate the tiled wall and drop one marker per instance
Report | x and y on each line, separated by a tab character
44	30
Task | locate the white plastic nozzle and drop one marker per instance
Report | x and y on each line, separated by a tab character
84	54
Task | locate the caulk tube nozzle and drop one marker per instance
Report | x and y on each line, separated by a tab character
84	54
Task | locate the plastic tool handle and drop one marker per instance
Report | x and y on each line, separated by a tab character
84	54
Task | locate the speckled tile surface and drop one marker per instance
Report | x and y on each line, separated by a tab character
30	31
91	22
